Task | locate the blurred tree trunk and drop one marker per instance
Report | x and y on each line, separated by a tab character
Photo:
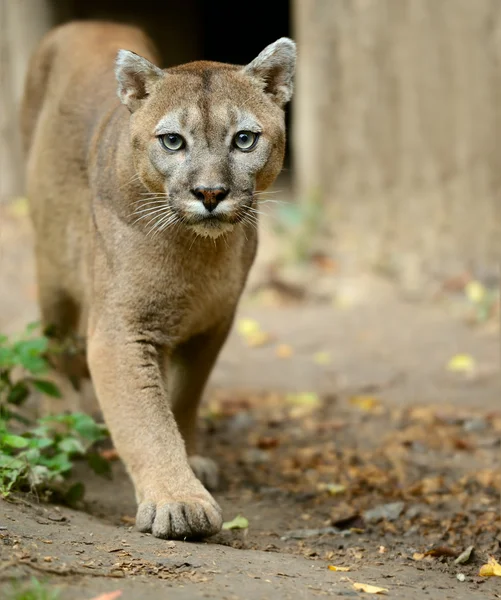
397	125
22	24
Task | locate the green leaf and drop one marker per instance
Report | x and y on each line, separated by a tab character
75	494
85	426
99	464
10	462
34	364
46	387
238	522
40	442
32	327
14	441
71	446
60	463
7	358
34	346
18	393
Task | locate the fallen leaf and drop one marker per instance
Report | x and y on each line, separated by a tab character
110	454
305	399
365	403
238	522
491	569
475	292
322	358
418	556
284	351
265	443
127	520
465	556
257	339
108	595
18	207
369	589
247	327
461	363
441	551
332	488
333	568
251	331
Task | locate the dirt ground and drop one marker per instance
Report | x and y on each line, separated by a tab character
341	435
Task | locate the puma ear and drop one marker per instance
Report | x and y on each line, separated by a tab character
275	68
135	76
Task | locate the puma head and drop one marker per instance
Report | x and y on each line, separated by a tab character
207	136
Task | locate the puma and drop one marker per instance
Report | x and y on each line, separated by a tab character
144	208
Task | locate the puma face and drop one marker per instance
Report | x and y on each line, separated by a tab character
207	136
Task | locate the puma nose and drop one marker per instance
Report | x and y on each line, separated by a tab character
210	197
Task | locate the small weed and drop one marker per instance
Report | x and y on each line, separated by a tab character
33	590
300	223
37	455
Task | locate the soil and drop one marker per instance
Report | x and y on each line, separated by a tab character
342	437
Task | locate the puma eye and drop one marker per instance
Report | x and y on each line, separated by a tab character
172	141
245	140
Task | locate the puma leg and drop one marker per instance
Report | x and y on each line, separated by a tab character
125	368
193	363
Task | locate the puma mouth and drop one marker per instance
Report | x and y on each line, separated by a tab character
211	227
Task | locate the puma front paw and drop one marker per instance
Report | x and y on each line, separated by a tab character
181	517
206	471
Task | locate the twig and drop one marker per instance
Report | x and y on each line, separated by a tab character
62	572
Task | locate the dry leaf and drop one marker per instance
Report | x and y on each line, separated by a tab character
284	351
18	207
247	327
461	363
465	556
333	488
110	454
128	520
108	595
251	331
475	292
257	339
441	551
365	403
491	569
322	358
333	568
417	556
304	399
369	589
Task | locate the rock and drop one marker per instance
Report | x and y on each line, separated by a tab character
477	424
388	512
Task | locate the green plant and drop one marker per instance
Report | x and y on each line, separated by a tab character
38	455
33	590
26	355
300	223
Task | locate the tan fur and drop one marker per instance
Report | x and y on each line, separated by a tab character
155	303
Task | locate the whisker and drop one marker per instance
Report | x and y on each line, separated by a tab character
131	180
153	217
146	208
